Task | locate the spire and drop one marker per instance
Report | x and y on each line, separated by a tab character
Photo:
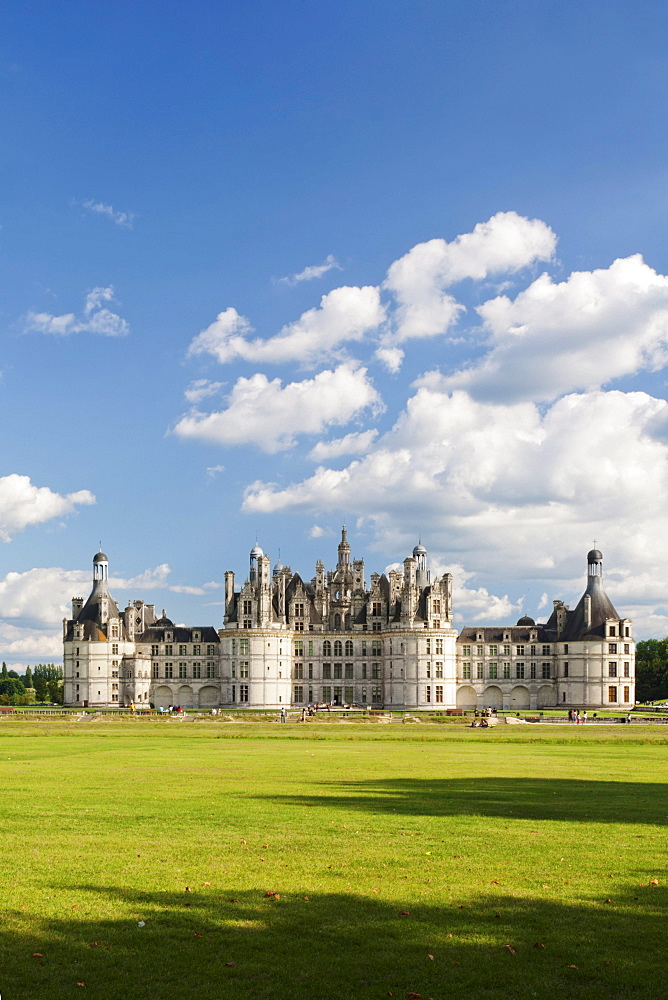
344	548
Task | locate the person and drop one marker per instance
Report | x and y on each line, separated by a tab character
303	715
584	718
284	715
628	718
577	717
484	724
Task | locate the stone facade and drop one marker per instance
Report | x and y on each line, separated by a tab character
287	642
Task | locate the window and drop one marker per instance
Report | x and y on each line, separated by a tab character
243	692
493	650
547	651
627	692
439	647
533	671
436	607
247	623
234	671
364	696
299	625
532	651
169	670
375	671
338	648
310	672
546	671
565	670
612	668
337	621
155	670
244	668
613	630
427	694
349	647
349	671
506	671
326	693
210	670
519	650
466	650
363	647
244	647
428	670
248	607
612	694
479	671
298	695
376	647
326	671
466	671
182	670
439	694
375	696
326	648
299	610
506	650
479	650
627	631
197	671
338	671
196	651
566	648
183	651
493	671
375	627
298	672
154	650
114	649
348	695
439	670
429	647
299	647
612	647
627	669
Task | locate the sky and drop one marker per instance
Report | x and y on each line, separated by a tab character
272	268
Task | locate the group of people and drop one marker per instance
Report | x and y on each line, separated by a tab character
575	717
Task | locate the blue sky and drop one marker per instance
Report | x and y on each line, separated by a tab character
271	268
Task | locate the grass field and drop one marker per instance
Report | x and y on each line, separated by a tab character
511	863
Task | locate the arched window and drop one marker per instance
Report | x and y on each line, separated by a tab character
338	648
326	648
349	647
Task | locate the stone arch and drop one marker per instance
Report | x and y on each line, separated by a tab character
162	697
519	697
547	696
184	696
492	697
209	696
466	697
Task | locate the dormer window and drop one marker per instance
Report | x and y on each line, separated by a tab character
613	630
169	636
197	635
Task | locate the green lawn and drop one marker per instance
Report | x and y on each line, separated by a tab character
433	860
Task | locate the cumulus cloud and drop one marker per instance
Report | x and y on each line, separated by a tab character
22	504
580	333
94	318
272	415
200	389
357	443
312	272
344	314
505	243
123	220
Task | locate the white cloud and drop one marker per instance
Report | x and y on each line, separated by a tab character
505	243
390	358
201	389
23	504
215	470
123	220
345	314
357	443
271	415
576	334
94	318
312	272
318	532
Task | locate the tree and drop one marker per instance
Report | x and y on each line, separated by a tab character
4	675
12	689
28	678
55	690
652	670
40	684
13	673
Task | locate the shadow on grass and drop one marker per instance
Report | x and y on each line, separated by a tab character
335	946
513	798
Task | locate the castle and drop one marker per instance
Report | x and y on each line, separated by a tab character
288	642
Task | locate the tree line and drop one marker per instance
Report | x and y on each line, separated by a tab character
44	682
652	670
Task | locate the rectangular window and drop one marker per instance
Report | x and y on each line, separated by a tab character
533	671
612	694
627	669
348	695
327	694
310	672
183	651
627	693
436	607
243	692
546	651
439	670
565	670
299	610
298	695
298	672
326	671
196	651
364	701
428	671
532	651
155	670
169	651
234	650
244	668
234	691
248	607
210	650
480	650
234	671
349	672
427	694
197	671
169	670
479	671
439	694
375	695
363	647
466	671
566	648
114	649
466	650
612	647
182	670
613	630
299	647
612	668
627	648
375	671
376	626
506	650
154	650
493	650
299	625
493	671
439	647
376	608
376	647
210	670
338	671
310	647
546	671
519	650
506	671
364	671
244	647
